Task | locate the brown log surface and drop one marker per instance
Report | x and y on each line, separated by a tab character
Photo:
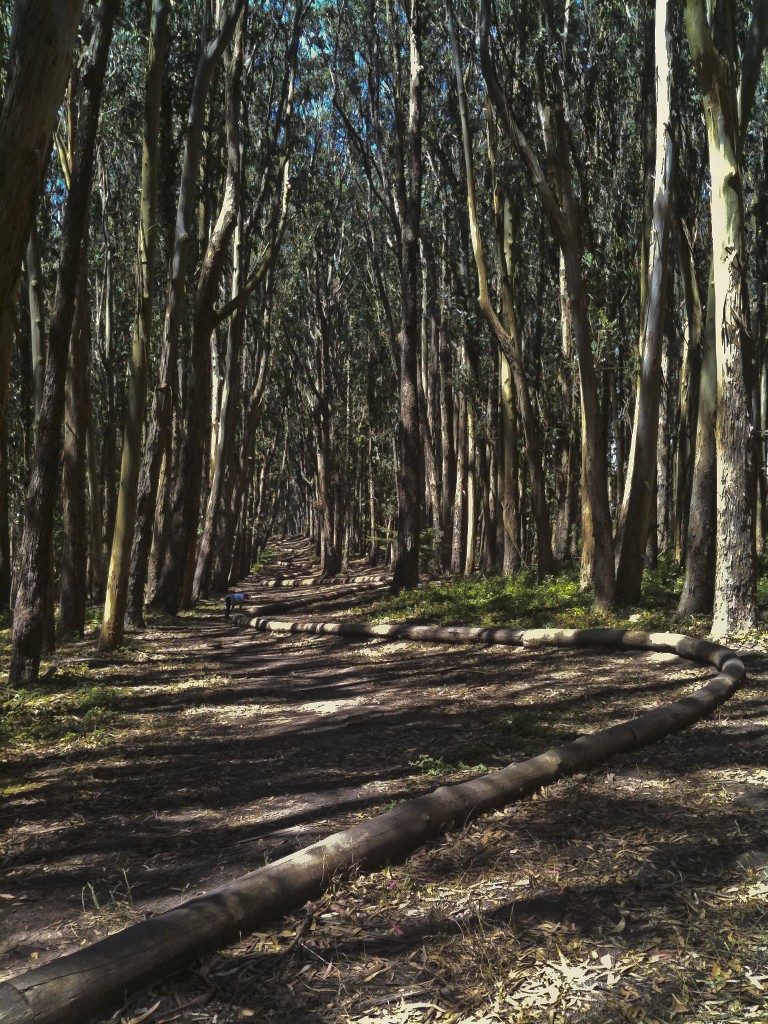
74	987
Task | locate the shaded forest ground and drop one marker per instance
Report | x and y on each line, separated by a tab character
636	892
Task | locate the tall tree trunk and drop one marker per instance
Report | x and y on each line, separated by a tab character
471	516
562	211
158	434
460	499
635	516
74	553
222	459
122	541
406	568
7	332
735	599
566	432
506	334
699	580
510	493
43	35
185	502
96	553
447	446
36	320
690	375
35	555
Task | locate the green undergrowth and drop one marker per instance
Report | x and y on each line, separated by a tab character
263	560
68	708
523	600
522	731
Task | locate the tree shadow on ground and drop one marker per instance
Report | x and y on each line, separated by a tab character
205	782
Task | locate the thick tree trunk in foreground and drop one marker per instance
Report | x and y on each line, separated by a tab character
42	38
122	539
35	555
735	599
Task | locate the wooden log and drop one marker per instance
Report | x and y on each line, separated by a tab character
74	987
292	582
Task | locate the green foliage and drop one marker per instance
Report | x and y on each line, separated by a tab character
525	722
662	586
46	715
438	766
523	600
263	559
488	600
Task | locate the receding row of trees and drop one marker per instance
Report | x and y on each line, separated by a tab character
469	285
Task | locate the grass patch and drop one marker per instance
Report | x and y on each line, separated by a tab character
436	767
523	600
28	717
263	559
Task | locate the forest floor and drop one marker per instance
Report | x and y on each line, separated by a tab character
635	892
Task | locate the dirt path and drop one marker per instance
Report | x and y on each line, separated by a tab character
229	748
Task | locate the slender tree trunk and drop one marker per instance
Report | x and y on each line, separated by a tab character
109	447
635	516
471	516
690	374
406	568
507	334
566	432
158	434
699	580
74	554
122	541
224	446
460	499
448	464
96	564
510	496
7	332
36	321
664	451
35	556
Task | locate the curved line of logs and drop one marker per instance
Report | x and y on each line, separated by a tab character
293	582
74	987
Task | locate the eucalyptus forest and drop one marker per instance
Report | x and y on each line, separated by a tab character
441	293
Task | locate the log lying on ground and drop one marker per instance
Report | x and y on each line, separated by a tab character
292	582
76	986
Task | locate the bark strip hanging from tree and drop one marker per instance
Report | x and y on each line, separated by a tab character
73	987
